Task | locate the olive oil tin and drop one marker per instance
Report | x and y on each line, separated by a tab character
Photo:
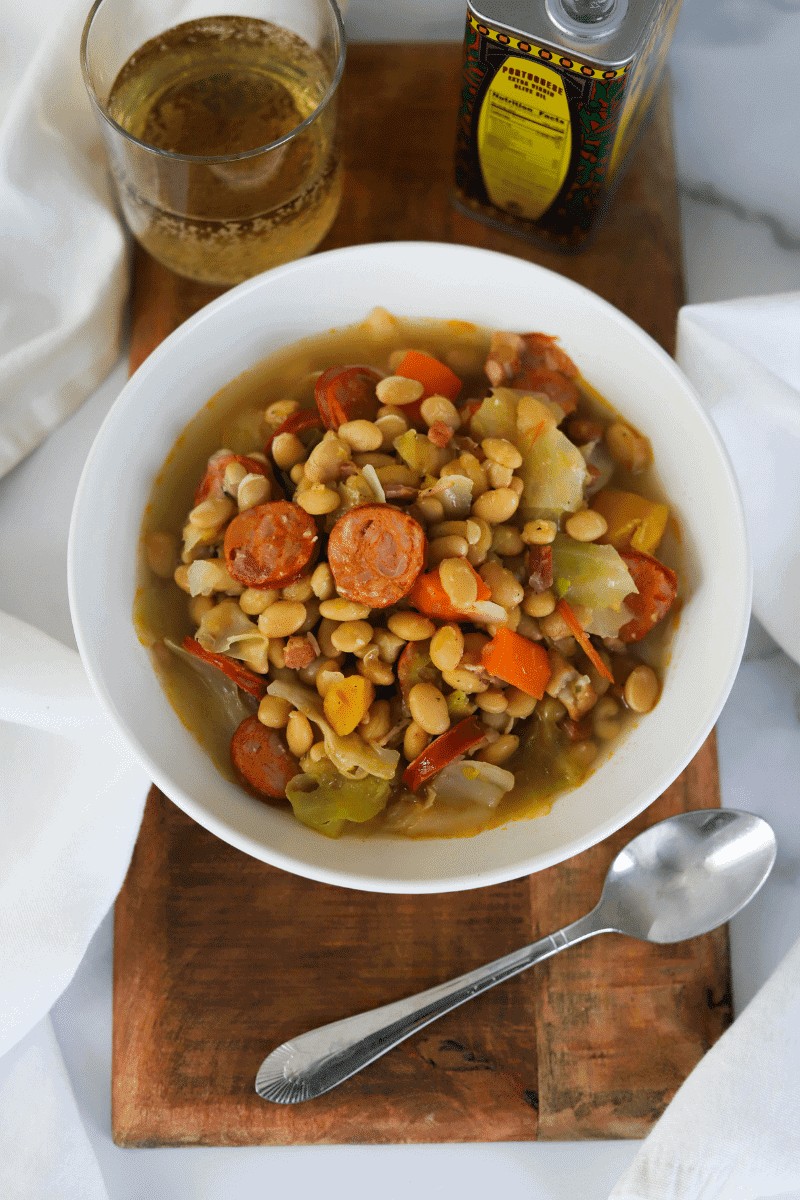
554	94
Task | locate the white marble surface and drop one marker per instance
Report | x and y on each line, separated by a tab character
741	225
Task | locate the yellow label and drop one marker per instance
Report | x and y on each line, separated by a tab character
524	138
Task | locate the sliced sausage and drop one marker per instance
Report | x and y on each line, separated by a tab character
346	394
211	483
260	757
375	553
553	384
658	587
543	350
270	545
296	422
533	361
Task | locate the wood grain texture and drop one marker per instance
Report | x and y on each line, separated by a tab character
218	958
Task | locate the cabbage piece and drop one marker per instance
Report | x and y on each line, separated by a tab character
227	703
485	612
197	542
458	705
553	472
351	755
497	416
225	629
472	782
460	800
602	461
371	476
606	622
324	800
455	493
589	574
419	452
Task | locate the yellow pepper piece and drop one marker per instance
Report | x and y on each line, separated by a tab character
633	521
346	702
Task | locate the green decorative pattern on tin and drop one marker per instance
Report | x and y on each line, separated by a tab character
468	175
598	117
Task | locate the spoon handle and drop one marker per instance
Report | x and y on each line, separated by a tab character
319	1060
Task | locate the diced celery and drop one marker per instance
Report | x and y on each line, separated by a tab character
590	574
458	705
325	800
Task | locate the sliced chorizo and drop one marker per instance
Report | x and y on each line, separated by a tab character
543	350
553	384
375	553
270	545
346	394
211	485
261	759
657	588
536	362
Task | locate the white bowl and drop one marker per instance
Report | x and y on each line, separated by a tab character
417	280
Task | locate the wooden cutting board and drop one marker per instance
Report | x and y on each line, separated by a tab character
219	958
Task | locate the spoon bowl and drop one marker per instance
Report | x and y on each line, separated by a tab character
687	875
676	880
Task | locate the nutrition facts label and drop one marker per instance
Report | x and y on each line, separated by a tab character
524	137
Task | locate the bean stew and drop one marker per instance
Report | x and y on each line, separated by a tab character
409	577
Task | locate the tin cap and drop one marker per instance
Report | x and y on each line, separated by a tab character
590	19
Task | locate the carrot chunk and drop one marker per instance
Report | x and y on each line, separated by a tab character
436	377
429	597
518	661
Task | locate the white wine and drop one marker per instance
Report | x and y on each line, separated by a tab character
222	89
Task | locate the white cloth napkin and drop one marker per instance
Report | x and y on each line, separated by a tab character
46	1152
744	359
733	1130
63	258
70	807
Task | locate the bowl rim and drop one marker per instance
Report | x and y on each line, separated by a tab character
296	864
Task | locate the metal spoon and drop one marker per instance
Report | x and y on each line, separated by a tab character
676	880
